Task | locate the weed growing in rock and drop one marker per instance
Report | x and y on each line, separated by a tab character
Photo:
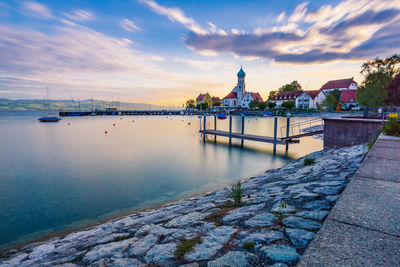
280	215
186	246
283	205
237	192
249	245
120	238
309	161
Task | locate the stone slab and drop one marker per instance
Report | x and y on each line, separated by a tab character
381	169
370	203
387	143
383	136
385	153
338	244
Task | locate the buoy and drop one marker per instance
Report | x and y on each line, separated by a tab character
188	123
114	124
133	120
105	132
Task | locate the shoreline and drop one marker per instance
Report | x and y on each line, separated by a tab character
186	217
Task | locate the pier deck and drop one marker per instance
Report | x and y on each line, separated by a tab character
250	137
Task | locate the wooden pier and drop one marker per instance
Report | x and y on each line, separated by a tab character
258	138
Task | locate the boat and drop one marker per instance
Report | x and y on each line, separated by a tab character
51	117
268	114
221	116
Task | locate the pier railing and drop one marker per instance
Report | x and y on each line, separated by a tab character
304	127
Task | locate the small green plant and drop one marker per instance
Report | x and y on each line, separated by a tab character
237	193
280	215
186	246
120	238
249	245
309	161
392	127
283	205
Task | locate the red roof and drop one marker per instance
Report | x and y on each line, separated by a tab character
231	95
336	84
215	98
291	95
312	93
200	97
348	96
256	96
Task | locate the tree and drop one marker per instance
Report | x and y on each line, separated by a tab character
272	94
253	104
288	104
216	103
190	103
332	100
262	105
204	106
293	86
393	91
378	74
271	104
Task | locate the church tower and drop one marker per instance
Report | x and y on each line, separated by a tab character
241	86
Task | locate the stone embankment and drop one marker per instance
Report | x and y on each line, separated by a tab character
281	211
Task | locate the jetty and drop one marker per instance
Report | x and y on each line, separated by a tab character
275	140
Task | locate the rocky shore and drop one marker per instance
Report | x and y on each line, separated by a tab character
281	211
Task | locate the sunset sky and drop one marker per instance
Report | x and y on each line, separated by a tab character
165	52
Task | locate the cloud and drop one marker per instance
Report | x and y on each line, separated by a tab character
129	25
351	30
175	14
80	15
37	10
281	16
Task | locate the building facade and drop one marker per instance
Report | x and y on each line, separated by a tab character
204	98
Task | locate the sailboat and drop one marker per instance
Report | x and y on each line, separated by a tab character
51	117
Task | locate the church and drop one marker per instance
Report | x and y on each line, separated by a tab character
238	97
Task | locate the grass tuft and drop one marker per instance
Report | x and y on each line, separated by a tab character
309	161
186	246
249	245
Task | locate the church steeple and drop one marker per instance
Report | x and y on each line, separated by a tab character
241	85
241	73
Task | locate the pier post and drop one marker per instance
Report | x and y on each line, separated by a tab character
215	127
242	129
230	130
275	129
287	130
204	127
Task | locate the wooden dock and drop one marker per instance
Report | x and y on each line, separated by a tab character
250	137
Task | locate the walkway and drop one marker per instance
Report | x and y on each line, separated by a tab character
364	226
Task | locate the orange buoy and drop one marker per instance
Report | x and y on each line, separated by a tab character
113	124
105	132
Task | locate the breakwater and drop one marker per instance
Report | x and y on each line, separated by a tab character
281	211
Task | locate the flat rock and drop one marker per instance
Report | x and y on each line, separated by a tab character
186	220
234	259
277	208
211	243
268	237
315	214
123	262
332	198
107	250
261	220
306	196
328	190
317	205
280	253
160	253
297	222
299	237
242	212
140	247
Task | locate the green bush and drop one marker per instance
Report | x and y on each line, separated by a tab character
237	193
392	127
309	161
249	245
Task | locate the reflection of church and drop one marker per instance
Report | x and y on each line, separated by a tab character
238	97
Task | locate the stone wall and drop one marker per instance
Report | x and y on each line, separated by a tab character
340	132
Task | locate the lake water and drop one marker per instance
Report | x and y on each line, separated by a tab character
60	176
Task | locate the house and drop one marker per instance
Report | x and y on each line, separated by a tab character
342	85
249	97
348	99
216	99
238	97
307	99
285	96
204	98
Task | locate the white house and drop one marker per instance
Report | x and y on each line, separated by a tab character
285	96
249	97
327	88
307	100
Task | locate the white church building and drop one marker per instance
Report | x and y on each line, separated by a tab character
238	97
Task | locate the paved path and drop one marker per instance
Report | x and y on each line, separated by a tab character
363	228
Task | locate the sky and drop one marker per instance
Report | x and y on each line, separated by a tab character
165	52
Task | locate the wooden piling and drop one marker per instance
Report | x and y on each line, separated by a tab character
204	127
287	130
215	127
242	129
230	130
275	130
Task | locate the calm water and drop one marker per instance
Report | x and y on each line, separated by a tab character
55	177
